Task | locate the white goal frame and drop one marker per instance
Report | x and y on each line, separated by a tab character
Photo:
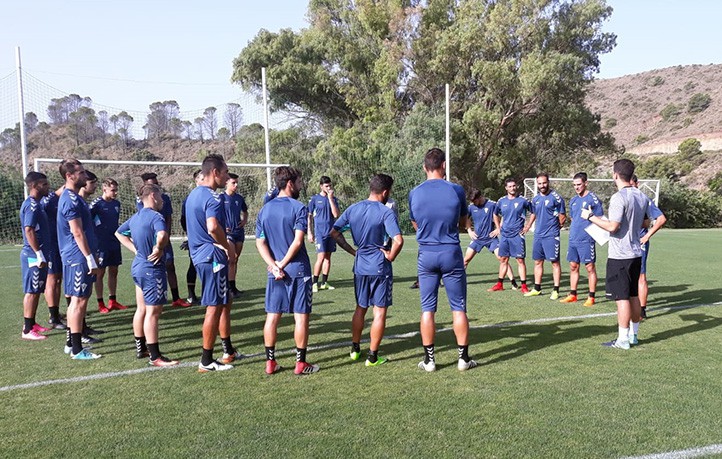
648	186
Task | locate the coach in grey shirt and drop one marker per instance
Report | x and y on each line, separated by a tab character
626	214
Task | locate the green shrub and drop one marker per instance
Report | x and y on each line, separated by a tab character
698	103
656	81
689	148
686	208
609	123
640	139
670	112
715	184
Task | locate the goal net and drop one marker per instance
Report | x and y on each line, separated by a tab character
603	188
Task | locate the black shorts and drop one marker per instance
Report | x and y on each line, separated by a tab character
623	278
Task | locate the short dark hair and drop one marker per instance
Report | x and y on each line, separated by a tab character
195	174
475	194
624	168
581	175
380	183
508	180
34	177
148	176
91	177
212	161
69	166
233	176
324	180
284	174
110	182
543	174
634	178
433	159
148	189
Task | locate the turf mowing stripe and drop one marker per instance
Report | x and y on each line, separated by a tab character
683	454
322	347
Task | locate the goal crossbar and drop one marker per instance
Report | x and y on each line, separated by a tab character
648	186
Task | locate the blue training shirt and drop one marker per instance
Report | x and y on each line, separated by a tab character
436	206
143	227
49	204
32	215
653	213
277	223
547	209
320	209
203	203
235	205
513	214
483	218
72	207
166	211
370	222
106	216
578	225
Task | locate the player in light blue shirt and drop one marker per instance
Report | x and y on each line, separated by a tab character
76	240
549	213
236	219
145	235
509	220
323	210
105	211
654	220
437	209
280	230
582	248
371	223
33	259
481	213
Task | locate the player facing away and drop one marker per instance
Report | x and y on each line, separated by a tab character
653	221
322	212
191	274
371	222
236	219
49	204
438	209
627	208
33	260
549	213
509	217
481	230
582	248
205	219
151	178
105	211
145	235
280	229
76	240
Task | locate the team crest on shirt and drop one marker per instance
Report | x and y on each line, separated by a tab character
516	204
486	210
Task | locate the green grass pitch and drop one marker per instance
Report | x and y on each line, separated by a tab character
544	388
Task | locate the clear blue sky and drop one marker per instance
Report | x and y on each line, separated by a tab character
130	53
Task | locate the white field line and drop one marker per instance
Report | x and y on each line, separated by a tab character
321	347
683	454
9	267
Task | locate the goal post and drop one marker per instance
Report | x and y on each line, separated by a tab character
603	188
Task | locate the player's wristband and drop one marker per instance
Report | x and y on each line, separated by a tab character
41	256
90	259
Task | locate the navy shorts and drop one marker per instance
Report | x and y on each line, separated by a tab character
514	247
623	278
373	290
442	262
55	264
154	284
110	257
237	237
214	282
325	244
582	252
33	277
490	244
546	248
645	254
77	281
289	295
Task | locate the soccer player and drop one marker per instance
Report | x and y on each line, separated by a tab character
33	261
105	211
653	221
191	274
91	185
322	212
145	235
280	228
236	219
437	209
205	220
371	222
151	178
481	211
582	248
549	213
76	240
627	208
49	204
509	217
